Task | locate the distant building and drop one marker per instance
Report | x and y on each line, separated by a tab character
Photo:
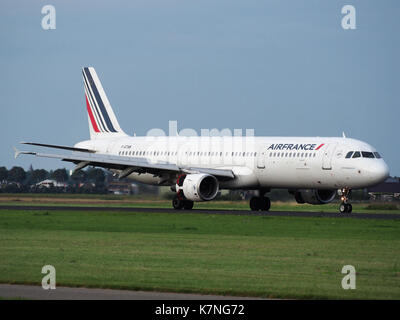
386	191
119	187
51	183
87	185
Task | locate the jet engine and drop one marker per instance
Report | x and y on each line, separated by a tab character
314	196
198	187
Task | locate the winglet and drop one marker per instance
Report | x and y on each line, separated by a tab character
17	152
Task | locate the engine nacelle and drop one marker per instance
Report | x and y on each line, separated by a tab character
315	196
199	187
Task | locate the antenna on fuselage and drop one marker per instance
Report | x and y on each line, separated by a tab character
343	135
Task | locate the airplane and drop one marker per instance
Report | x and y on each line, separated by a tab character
312	169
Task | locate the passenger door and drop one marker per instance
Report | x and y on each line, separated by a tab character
327	156
261	154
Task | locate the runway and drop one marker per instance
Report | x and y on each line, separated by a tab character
384	216
13	291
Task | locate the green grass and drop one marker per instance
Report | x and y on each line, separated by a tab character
218	254
383	206
73	196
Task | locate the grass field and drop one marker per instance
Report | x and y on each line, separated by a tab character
220	254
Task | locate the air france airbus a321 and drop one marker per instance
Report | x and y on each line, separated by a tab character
313	169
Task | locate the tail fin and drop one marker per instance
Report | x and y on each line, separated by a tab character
102	120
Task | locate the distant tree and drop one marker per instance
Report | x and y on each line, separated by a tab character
38	175
79	176
16	174
3	174
96	175
60	175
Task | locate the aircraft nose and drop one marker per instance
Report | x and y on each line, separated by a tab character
380	172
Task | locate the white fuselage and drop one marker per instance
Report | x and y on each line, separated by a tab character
257	162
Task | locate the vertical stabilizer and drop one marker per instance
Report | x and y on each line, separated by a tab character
102	120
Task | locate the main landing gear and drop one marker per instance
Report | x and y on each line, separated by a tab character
260	203
344	194
179	203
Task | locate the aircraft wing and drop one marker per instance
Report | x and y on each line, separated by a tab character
58	147
127	165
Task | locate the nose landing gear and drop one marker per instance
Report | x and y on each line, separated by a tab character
344	194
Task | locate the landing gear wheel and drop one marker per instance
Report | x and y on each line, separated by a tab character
177	203
265	203
345	208
344	194
188	205
260	203
254	203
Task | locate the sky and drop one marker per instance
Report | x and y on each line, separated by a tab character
282	68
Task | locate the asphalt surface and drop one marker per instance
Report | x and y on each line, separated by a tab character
16	291
386	216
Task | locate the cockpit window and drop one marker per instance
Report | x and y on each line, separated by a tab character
364	154
367	154
348	155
